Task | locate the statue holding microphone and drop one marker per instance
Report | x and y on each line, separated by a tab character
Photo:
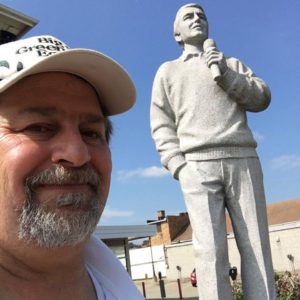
199	126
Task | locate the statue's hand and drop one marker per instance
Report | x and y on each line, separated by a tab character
214	56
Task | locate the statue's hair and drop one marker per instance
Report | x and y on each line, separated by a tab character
176	21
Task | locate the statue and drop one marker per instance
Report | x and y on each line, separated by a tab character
199	125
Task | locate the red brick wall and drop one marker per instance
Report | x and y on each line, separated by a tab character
170	229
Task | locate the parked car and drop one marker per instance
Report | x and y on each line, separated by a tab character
193	278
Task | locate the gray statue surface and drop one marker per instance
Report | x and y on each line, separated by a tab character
199	125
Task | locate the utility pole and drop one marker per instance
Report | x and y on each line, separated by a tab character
153	269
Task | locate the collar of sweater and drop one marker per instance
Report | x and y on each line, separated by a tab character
187	55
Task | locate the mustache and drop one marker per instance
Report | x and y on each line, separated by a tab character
60	175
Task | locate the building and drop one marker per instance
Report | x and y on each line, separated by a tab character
175	233
13	24
117	238
168	227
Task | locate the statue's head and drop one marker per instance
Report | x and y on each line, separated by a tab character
190	24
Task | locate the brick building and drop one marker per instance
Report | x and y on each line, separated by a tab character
168	227
175	234
175	229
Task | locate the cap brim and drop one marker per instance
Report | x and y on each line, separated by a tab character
112	83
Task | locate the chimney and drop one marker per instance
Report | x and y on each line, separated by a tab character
160	214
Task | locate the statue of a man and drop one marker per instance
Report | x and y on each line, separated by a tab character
199	125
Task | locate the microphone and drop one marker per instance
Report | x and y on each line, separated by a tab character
210	44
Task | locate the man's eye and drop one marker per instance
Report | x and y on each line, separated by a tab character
38	128
93	136
187	17
39	131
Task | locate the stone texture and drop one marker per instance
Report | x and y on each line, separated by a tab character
200	129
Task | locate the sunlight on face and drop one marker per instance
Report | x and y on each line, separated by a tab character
55	159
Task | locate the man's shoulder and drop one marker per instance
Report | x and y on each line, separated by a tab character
171	63
109	272
169	67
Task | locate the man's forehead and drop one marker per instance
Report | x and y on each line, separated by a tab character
50	93
190	9
49	83
25	113
44	110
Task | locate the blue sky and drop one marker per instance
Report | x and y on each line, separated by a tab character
265	35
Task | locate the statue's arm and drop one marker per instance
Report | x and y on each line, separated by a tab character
243	86
163	126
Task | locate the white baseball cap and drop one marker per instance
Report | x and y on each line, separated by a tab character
48	54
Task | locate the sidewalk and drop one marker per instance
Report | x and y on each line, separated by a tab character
171	287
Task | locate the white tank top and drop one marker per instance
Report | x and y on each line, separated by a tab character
97	285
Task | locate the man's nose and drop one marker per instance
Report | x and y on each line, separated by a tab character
196	17
70	149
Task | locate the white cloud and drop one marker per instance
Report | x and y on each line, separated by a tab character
146	172
286	162
258	136
112	213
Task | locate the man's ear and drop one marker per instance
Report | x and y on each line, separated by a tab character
178	38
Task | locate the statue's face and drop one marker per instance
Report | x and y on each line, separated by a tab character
192	26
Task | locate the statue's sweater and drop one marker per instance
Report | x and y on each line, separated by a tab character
194	118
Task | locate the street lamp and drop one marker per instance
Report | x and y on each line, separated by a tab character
13	24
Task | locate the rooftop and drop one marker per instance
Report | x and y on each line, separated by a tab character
278	213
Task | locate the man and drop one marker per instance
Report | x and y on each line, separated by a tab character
200	129
55	171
